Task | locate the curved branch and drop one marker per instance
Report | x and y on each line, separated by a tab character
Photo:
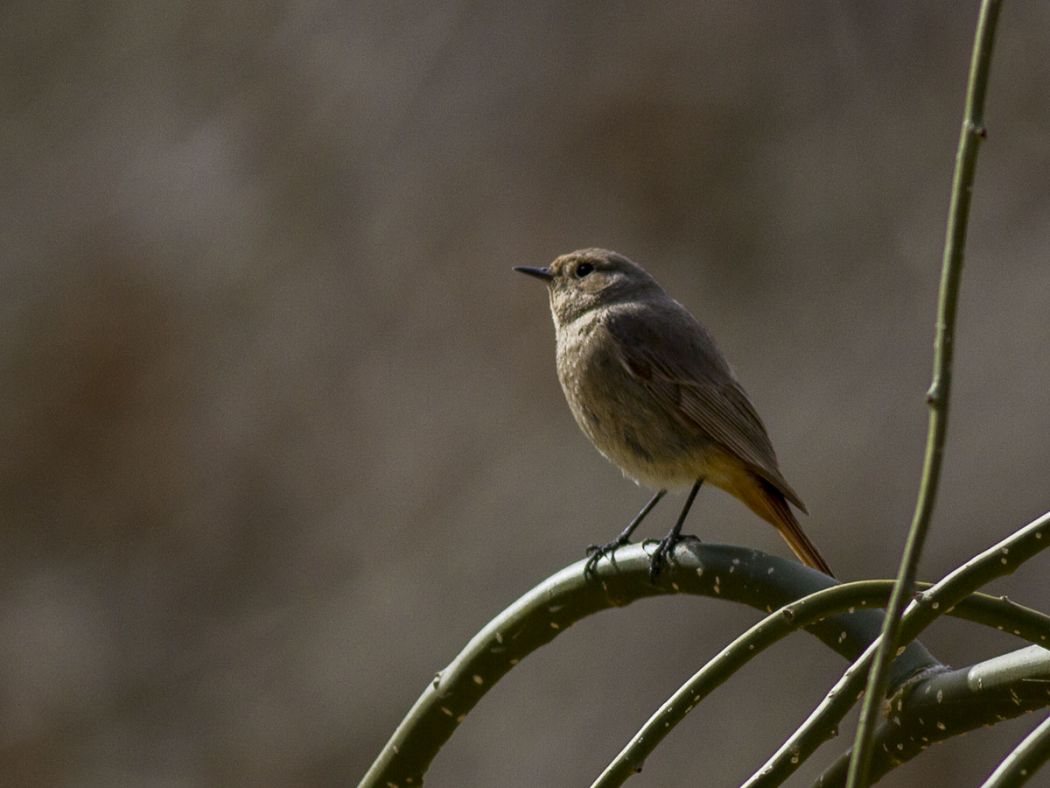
951	274
1000	559
1005	615
996	612
1024	761
733	573
949	704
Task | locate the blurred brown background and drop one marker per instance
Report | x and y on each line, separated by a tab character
281	430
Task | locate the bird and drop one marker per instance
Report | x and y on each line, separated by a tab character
649	387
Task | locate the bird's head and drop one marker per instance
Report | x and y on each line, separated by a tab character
590	279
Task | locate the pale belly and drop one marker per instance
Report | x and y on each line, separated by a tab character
650	444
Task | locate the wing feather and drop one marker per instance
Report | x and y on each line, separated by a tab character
681	368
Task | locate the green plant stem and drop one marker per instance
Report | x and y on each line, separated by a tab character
1024	761
951	703
730	573
998	560
991	611
1005	615
955	243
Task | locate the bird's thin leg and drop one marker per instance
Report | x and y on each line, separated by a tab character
666	545
596	551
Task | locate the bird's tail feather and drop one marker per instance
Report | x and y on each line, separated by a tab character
767	502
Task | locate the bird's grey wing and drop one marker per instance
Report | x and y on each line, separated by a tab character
682	368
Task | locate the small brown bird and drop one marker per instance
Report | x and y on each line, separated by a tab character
647	384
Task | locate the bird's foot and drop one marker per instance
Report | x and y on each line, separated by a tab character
596	552
662	555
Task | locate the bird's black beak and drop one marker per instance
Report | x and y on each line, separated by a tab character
540	273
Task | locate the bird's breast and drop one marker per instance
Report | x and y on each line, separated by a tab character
619	414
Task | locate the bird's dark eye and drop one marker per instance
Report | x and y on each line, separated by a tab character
583	269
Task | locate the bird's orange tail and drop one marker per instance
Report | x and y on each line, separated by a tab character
767	502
